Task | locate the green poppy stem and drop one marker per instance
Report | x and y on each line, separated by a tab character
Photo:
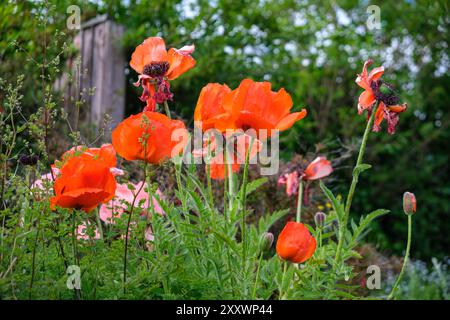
243	205
299	201
166	108
257	276
362	149
405	261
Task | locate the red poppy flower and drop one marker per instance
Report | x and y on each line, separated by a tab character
252	105
209	109
295	243
317	169
105	154
83	183
156	65
390	113
149	136
365	80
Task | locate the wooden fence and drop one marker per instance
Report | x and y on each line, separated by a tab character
99	78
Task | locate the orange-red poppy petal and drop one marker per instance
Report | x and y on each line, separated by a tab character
153	49
149	136
379	116
318	169
366	99
179	63
83	183
209	108
295	243
290	119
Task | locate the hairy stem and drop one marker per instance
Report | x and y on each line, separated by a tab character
125	253
257	277
166	108
405	261
299	201
362	149
243	205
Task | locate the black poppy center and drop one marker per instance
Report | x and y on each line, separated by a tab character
383	91
156	69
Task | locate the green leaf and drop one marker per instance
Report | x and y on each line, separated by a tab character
364	223
255	184
361	168
225	239
337	206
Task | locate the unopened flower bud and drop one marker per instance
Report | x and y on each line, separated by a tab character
266	241
319	219
409	203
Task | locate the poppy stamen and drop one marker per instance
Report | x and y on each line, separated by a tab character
156	69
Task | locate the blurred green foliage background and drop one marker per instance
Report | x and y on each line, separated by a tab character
313	49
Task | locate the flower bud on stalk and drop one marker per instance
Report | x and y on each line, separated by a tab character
319	219
266	241
409	203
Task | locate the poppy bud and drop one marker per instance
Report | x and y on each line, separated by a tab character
266	241
295	243
409	203
319	219
28	160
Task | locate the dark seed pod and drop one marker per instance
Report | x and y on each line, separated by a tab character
28	160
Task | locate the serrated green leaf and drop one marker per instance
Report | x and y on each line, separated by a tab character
361	168
337	206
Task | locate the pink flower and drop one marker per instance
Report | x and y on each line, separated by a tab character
124	197
40	183
291	182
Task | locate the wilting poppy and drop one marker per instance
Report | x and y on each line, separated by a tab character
149	136
124	197
375	90
366	81
156	65
317	169
295	243
390	113
253	105
83	183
